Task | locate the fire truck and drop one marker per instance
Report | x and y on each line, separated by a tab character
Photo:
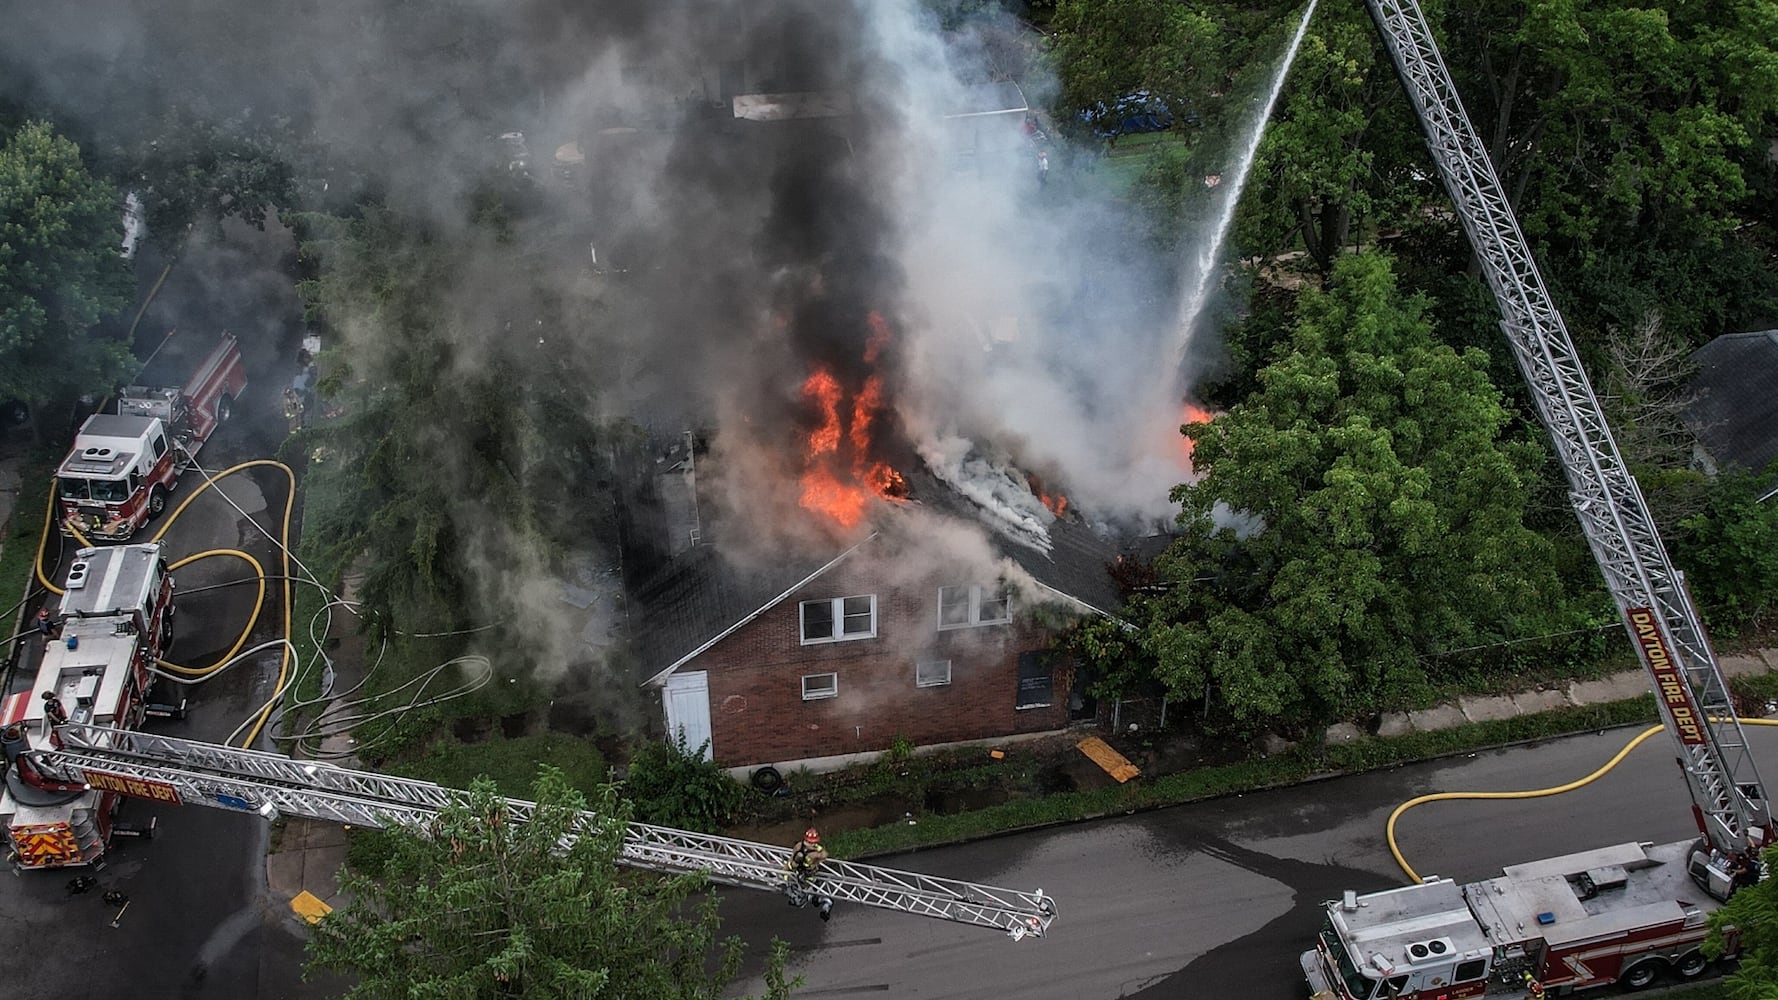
1627	914
176	771
116	620
125	463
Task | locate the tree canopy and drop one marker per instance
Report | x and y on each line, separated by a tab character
61	272
1362	510
477	906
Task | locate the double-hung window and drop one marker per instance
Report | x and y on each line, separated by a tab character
838	619
973	604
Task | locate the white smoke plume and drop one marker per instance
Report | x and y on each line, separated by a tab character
688	267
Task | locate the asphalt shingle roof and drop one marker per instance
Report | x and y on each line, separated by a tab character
1735	412
698	596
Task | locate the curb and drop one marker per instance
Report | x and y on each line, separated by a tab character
1311	779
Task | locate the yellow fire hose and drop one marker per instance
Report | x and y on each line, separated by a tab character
258	571
1535	793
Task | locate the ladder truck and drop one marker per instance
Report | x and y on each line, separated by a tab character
177	771
116	620
1624	914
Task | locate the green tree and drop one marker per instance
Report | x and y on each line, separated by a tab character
1729	549
1108	48
1359	512
1341	147
478	906
60	271
1611	116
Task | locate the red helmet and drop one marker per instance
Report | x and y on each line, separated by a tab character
811	836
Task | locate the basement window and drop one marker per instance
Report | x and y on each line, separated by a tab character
932	673
818	686
966	606
838	619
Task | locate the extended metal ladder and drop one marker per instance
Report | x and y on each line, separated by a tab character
1650	594
225	777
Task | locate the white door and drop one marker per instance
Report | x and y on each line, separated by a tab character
688	708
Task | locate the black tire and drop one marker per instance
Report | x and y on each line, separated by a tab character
224	407
157	500
1691	966
767	779
1642	975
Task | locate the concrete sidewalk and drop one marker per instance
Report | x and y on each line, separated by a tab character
1486	708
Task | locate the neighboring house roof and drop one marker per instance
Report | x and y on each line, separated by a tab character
700	598
1735	409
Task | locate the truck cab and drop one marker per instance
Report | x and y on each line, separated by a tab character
123	465
116	476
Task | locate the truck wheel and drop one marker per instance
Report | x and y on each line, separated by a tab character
157	501
1641	975
1692	965
224	407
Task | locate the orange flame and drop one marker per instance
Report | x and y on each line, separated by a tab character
824	390
879	337
823	490
1057	504
1194	414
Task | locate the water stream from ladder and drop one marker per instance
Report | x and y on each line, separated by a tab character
1211	251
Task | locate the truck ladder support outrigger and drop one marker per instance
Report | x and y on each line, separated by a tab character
271	784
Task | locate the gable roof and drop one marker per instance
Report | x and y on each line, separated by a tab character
699	598
1735	409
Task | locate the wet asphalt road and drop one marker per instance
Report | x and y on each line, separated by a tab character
1217	899
200	922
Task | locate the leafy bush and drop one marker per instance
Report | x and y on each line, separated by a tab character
672	784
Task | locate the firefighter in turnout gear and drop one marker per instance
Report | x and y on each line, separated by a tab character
804	860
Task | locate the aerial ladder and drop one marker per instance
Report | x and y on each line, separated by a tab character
179	771
1728	800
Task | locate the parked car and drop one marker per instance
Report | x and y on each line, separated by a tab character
1132	114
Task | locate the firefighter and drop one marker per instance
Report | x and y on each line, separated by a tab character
53	710
804	860
47	625
1533	988
293	409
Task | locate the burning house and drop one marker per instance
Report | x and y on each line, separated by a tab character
810	659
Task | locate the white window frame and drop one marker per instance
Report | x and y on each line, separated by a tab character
837	615
932	683
832	690
975	619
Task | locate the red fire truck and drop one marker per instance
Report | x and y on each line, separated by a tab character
1626	914
124	464
116	620
1623	914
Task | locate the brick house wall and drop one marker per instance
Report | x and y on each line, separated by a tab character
758	714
